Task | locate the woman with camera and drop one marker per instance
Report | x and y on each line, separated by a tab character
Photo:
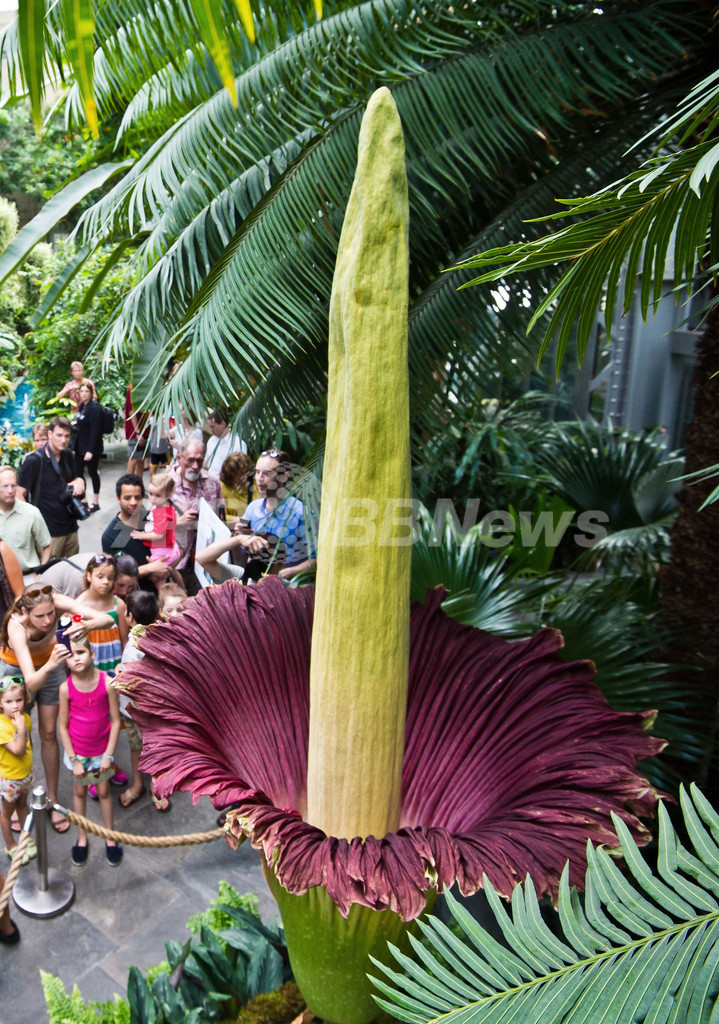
88	441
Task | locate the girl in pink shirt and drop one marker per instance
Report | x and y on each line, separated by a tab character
89	725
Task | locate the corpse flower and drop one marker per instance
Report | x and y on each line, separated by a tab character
378	754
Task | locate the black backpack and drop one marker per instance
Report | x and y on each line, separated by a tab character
108	419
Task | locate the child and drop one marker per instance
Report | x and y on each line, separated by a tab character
159	534
142	610
98	593
107	644
15	760
171	597
89	727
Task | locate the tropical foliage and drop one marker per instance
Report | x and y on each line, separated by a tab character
65	336
639	947
667	206
233	958
235	212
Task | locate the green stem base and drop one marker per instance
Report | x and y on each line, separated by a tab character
329	953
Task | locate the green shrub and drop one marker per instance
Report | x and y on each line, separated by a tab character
8	222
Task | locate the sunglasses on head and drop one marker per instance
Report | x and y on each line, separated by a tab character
273	453
102	559
38	591
9	681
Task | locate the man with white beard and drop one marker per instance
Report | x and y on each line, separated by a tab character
192	482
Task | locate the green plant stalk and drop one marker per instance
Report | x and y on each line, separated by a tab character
360	636
330	953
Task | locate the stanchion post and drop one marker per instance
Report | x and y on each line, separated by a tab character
50	891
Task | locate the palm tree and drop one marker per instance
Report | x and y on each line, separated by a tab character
234	212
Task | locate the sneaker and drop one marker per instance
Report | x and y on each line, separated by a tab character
79	855
30	850
119	778
113	854
92	792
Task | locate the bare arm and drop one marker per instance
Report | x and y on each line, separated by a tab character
18	745
35	678
122	625
289	572
208	558
12	568
90	618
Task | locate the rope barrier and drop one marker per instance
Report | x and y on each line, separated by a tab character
190	839
14	870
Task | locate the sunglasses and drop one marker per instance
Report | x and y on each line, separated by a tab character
38	591
273	453
102	559
9	681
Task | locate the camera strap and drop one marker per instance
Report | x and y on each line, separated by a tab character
56	466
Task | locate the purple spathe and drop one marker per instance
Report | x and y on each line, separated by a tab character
513	757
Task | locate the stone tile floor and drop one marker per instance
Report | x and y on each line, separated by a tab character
119	916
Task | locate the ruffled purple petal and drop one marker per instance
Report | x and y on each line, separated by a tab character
513	757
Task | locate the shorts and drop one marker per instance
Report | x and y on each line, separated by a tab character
90	764
159	458
12	789
132	731
49	692
138	448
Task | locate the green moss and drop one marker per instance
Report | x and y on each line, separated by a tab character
278	1007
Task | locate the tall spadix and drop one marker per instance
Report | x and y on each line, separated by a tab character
360	636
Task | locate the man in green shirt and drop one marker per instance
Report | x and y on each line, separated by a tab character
22	526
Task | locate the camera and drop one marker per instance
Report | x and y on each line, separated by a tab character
75	506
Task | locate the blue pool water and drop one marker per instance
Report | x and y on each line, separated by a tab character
18	415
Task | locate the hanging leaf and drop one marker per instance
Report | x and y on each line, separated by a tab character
80	23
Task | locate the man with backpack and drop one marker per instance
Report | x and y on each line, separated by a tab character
48	480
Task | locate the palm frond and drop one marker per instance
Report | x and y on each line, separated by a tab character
666	206
256	260
484	588
640	947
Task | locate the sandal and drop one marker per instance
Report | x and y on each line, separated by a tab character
128	798
157	800
61	826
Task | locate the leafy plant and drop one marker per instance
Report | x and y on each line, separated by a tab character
211	979
641	946
63	1008
216	917
630	478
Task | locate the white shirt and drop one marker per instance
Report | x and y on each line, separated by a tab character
218	448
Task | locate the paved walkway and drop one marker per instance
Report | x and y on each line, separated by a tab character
120	916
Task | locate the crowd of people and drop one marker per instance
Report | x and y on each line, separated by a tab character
69	621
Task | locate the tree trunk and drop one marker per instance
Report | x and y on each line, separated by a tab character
689	582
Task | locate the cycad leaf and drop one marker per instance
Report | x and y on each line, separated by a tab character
209	18
80	22
666	971
31	37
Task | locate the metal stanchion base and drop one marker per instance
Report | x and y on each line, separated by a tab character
58	896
